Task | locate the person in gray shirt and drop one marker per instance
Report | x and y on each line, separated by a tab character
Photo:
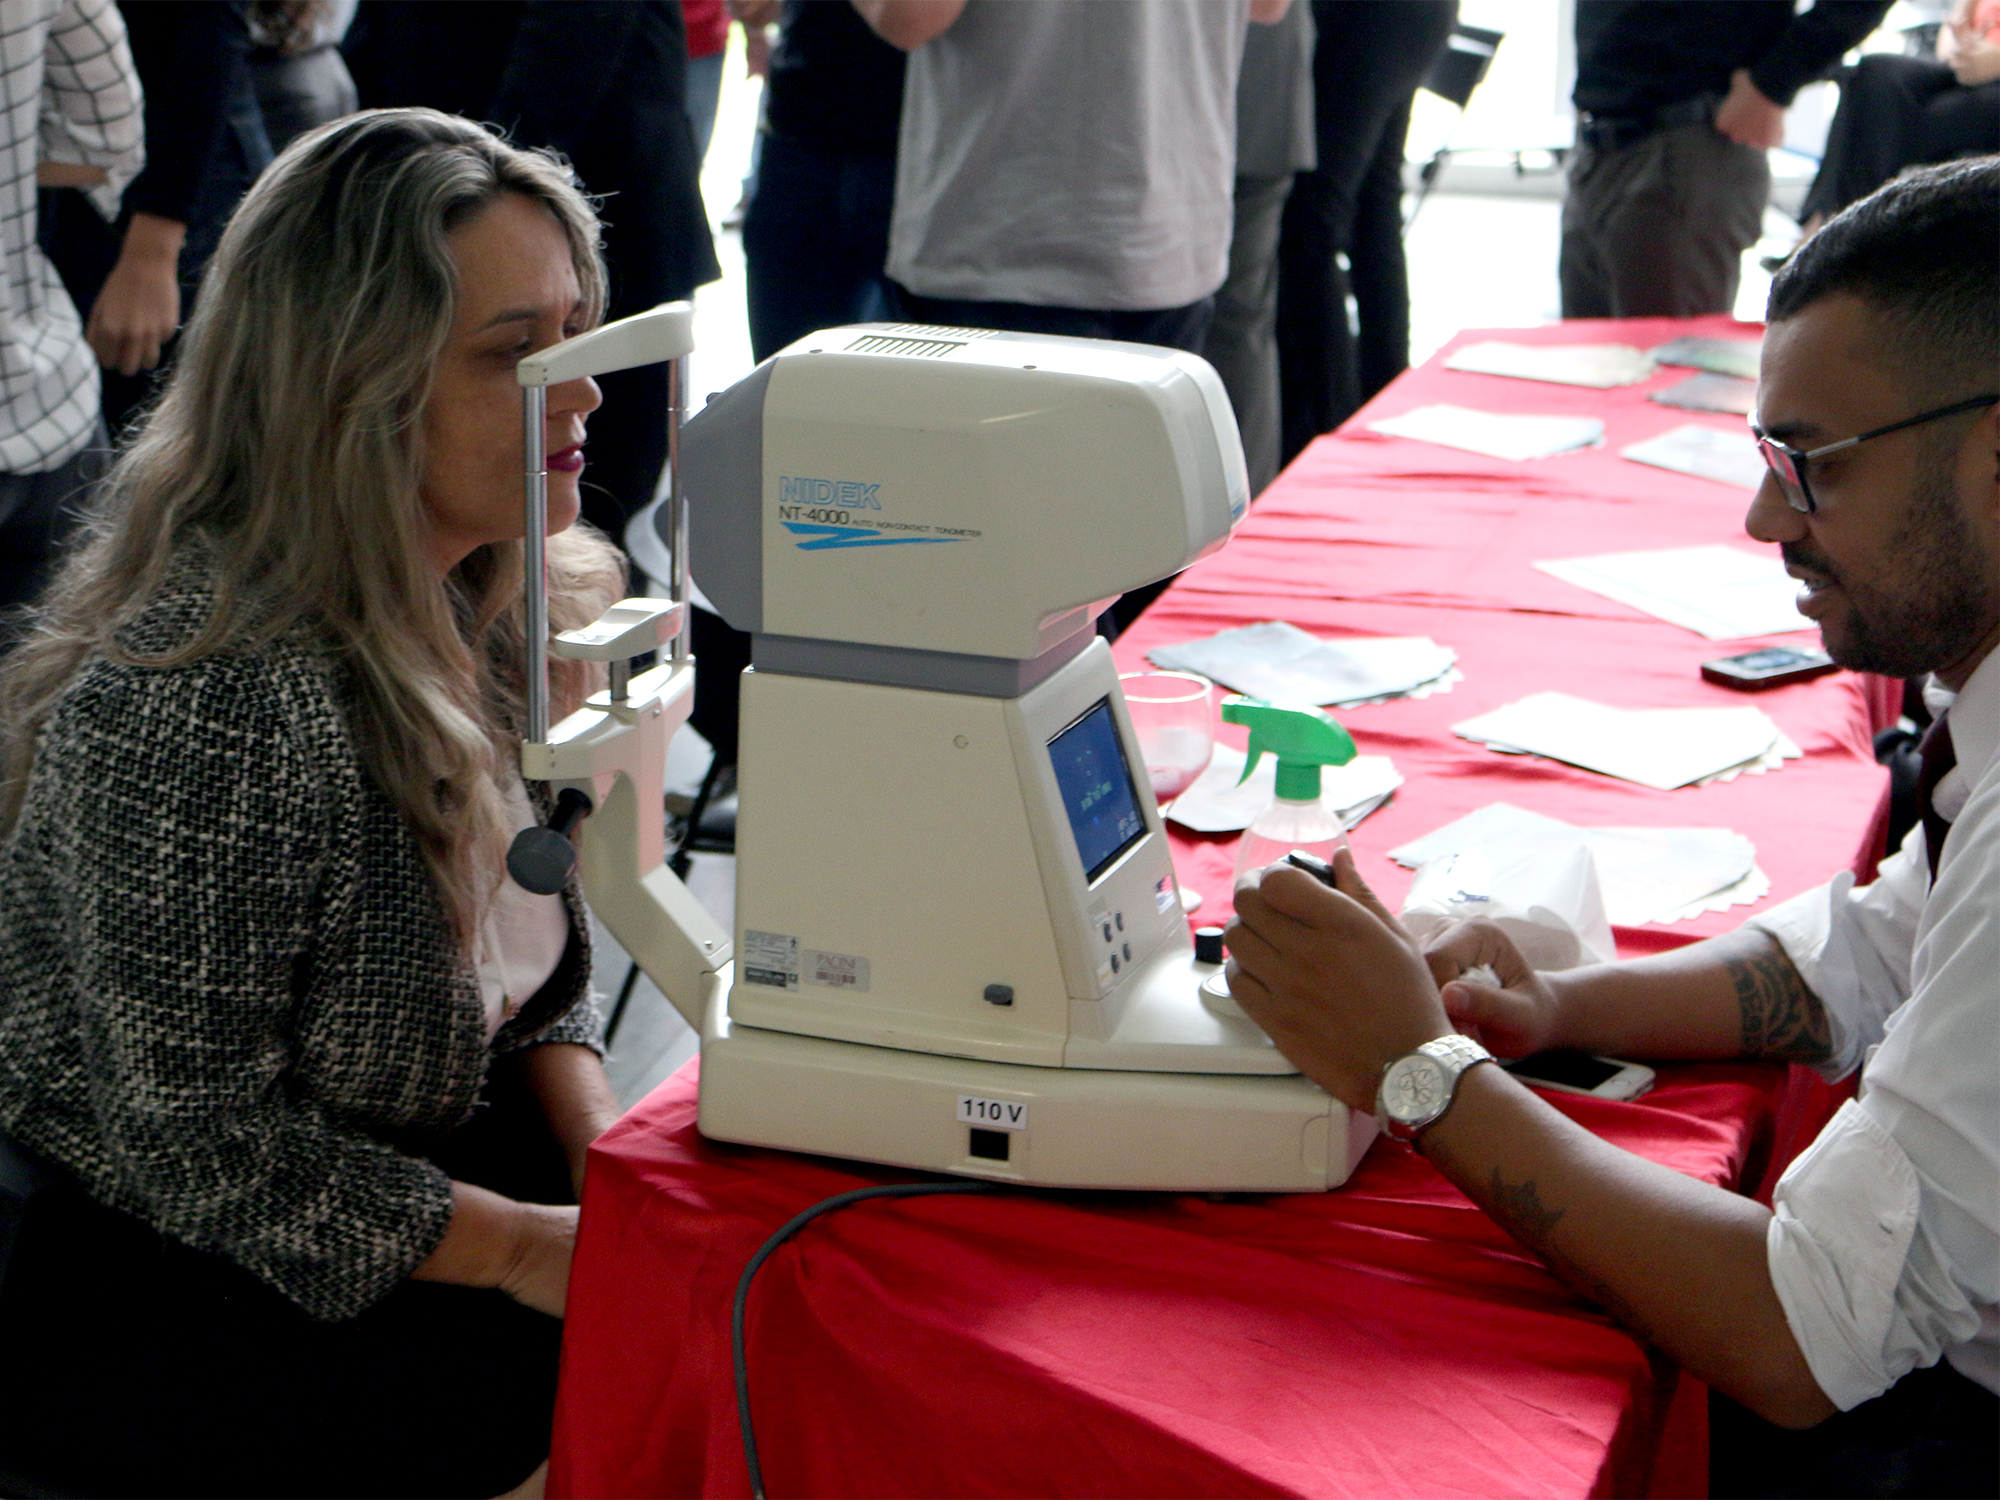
1066	168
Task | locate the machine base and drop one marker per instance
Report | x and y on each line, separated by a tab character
1012	1122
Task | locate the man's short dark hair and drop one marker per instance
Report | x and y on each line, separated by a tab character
1924	252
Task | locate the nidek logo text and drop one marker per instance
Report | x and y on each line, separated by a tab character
847	494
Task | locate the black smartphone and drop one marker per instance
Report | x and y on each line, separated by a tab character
1767	667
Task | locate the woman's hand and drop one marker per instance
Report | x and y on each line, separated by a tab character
1331	977
140	304
538	1275
1972	58
1517	1017
521	1248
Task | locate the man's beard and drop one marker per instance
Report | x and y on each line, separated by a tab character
1937	603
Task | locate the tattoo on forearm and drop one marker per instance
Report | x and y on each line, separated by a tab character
1781	1018
1519	1208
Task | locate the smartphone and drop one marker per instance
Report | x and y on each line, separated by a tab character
1767	667
1570	1072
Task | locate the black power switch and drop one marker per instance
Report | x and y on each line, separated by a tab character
988	1145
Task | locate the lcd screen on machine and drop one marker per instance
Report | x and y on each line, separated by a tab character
1097	790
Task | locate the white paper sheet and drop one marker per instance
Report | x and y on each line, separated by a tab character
1600	366
1283	663
1720	592
1646	874
1707	391
1216	804
1705	452
1495	434
1662	748
1722	356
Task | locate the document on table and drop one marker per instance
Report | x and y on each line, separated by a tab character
1719	356
1283	663
1495	434
1730	394
1646	874
1662	748
1215	803
1723	593
1706	453
1601	366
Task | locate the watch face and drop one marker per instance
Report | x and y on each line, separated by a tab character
1415	1089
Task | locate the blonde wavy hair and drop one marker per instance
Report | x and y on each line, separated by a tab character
285	456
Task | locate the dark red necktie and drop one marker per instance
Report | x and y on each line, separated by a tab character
1935	756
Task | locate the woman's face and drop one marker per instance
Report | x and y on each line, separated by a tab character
517	293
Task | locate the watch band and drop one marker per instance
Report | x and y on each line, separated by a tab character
1419	1087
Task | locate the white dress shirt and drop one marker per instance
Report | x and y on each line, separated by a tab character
1885	1244
68	93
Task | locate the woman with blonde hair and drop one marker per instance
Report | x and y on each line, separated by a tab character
309	1077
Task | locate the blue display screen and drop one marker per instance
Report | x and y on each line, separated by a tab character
1097	789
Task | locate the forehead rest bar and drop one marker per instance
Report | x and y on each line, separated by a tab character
661	333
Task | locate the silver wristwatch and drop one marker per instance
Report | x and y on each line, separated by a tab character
1418	1087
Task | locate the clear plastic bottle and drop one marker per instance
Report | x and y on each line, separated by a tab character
1302	739
1287	825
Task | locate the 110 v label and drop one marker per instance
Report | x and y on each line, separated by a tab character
992	1114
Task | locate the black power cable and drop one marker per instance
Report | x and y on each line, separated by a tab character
793	1226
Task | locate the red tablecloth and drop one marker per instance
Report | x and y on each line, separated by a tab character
1373	535
1386	1339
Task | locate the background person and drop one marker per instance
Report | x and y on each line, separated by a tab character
1274	143
1367	64
1872	1289
1898	112
71	125
1678	100
1067	169
259	960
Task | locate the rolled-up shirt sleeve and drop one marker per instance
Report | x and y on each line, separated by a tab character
1852	946
1884	1245
92	107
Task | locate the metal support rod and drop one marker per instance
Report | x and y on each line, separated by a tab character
621	679
535	557
677	515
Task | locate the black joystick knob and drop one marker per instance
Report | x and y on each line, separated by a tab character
541	858
1208	945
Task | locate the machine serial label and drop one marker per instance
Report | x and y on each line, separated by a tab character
992	1114
837	971
772	959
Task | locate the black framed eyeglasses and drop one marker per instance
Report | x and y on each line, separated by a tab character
1789	463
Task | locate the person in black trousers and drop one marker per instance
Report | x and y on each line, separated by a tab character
603	82
1367	65
817	232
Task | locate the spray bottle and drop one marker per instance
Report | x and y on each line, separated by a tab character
1303	739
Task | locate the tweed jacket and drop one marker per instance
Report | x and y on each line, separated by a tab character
230	1003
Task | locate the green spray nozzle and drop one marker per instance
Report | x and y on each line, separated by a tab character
1302	738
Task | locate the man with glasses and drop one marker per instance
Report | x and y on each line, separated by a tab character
1864	1306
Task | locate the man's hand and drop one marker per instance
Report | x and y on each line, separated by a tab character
140	305
1747	117
1331	977
1517	1018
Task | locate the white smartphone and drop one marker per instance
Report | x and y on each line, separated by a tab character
1583	1073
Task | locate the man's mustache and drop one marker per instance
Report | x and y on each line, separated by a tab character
1806	558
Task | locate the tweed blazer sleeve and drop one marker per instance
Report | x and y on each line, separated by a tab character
176	867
